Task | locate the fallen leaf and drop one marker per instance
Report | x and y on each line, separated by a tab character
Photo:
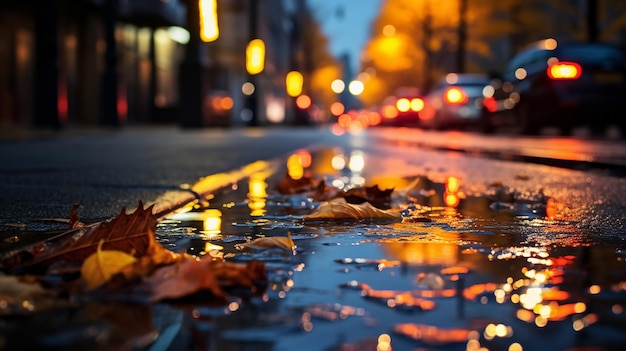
285	243
290	186
98	268
372	194
340	209
182	279
131	233
124	254
189	276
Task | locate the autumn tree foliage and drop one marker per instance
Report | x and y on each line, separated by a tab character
415	42
319	67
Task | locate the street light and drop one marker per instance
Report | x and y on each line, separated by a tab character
209	30
337	86
294	82
255	56
356	87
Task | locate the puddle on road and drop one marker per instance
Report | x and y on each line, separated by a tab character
496	270
501	270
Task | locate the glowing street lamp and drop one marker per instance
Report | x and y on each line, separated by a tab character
294	82
337	86
356	87
255	56
209	30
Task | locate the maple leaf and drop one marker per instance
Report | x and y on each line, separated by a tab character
122	256
340	209
132	233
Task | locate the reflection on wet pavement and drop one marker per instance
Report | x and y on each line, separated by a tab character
497	269
494	269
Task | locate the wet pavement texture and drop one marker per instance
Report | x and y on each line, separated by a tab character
522	257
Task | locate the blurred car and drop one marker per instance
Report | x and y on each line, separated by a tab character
404	108
559	84
455	102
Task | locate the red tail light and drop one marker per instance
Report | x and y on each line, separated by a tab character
565	71
455	96
491	104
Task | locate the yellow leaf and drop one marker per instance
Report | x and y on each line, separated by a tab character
269	242
98	268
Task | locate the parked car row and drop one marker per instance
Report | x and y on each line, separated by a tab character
454	102
559	84
547	84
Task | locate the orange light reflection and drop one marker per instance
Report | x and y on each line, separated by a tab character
433	335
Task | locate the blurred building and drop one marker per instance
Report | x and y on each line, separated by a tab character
57	66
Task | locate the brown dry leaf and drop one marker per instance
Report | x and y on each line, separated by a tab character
372	194
340	209
98	268
131	233
183	278
252	274
290	186
324	192
285	243
193	275
124	254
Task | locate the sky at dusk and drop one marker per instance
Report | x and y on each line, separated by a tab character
346	24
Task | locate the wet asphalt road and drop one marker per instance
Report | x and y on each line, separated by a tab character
43	175
107	170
